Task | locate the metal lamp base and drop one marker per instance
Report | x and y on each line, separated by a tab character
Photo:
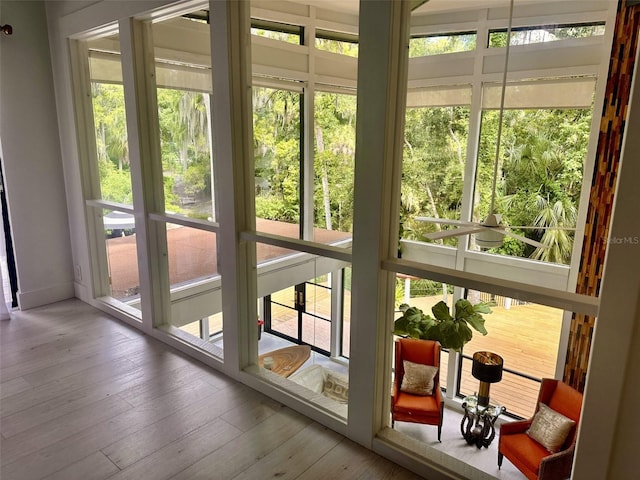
483	394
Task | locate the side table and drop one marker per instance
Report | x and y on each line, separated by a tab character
477	426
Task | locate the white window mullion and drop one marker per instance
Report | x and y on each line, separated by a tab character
232	129
143	136
468	188
382	86
309	130
87	152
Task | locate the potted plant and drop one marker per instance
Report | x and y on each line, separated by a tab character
453	332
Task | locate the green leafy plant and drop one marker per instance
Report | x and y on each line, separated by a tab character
453	332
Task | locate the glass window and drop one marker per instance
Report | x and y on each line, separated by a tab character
116	252
335	138
122	257
183	79
433	163
539	174
342	47
301	303
185	138
541	34
195	286
277	156
423	294
110	120
276	31
526	335
440	44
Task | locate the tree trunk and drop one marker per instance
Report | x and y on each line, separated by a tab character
325	181
433	207
455	138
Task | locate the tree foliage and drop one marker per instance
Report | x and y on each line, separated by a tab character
539	169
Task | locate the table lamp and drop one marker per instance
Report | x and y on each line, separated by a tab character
487	367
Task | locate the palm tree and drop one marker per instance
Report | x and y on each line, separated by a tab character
559	241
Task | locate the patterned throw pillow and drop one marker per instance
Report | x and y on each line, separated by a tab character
336	387
550	428
418	378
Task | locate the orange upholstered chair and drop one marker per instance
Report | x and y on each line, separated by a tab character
407	407
529	456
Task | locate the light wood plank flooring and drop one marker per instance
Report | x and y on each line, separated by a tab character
83	396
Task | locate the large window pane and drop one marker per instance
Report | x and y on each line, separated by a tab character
433	165
277	155
195	284
185	139
424	294
301	303
183	79
526	336
335	134
110	120
122	257
439	44
546	33
540	168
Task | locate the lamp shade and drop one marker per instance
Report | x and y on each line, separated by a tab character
487	367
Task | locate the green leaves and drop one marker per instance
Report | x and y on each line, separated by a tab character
441	311
451	331
471	314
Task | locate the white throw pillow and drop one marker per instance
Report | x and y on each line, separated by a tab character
418	378
550	428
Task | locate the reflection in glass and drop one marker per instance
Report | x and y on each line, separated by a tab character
346	311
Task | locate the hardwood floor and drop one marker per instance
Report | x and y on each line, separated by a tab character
83	396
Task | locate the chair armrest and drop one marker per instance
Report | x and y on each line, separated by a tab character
557	465
519	426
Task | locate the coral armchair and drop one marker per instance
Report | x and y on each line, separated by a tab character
529	456
407	407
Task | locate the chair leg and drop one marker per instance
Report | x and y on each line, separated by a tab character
439	432
500	457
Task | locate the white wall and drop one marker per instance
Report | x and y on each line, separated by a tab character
32	163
